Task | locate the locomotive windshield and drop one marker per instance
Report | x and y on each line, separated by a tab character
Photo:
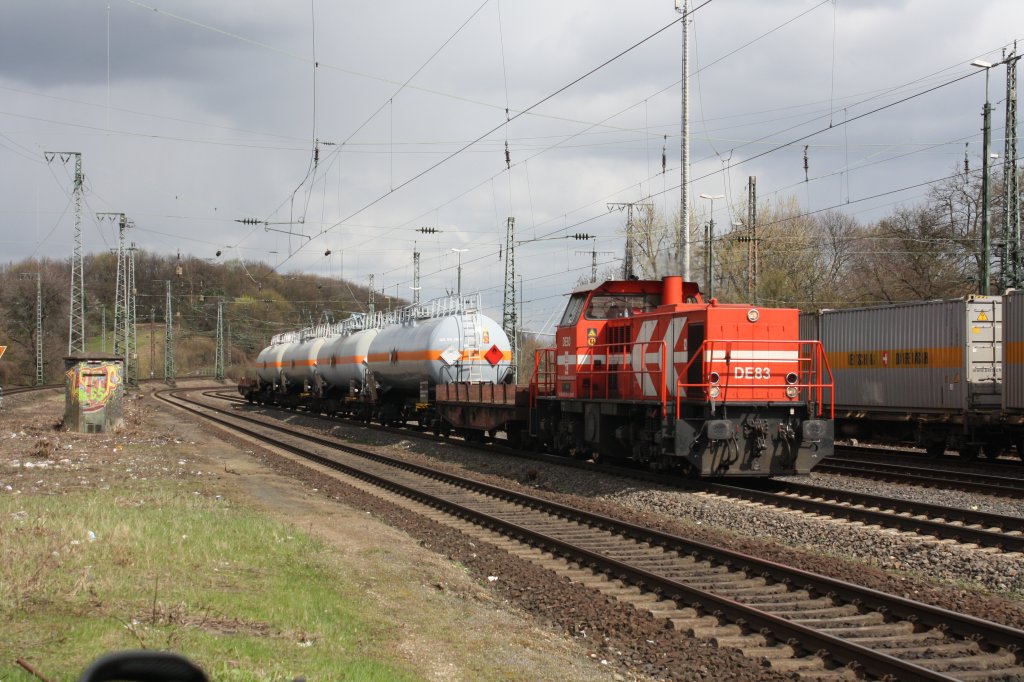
610	306
572	310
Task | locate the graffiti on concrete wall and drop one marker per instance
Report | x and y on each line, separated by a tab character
92	387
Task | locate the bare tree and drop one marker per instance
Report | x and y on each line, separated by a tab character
801	259
917	253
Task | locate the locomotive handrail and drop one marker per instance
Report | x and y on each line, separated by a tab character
545	373
545	370
810	375
624	368
823	363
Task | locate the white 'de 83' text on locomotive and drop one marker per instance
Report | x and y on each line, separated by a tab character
645	371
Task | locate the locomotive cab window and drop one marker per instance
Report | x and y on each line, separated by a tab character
608	306
572	310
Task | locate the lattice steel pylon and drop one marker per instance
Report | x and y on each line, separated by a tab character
628	260
39	329
369	298
218	363
168	339
1011	231
121	297
131	337
76	309
509	320
39	324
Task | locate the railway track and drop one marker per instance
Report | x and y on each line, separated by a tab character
15	390
947	523
1009	467
928	476
967	526
1005	533
799	621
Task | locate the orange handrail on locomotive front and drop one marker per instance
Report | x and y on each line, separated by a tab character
812	368
821	362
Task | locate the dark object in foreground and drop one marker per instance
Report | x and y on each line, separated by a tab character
143	666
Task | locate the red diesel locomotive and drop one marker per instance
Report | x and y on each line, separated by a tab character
648	371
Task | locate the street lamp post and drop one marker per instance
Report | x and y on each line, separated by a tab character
458	287
709	249
986	116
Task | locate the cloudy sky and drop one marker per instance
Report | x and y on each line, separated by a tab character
191	115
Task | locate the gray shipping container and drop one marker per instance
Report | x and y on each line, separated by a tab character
1013	352
937	357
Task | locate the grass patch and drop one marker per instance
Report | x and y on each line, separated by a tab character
157	567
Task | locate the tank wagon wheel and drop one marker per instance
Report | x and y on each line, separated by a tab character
935	450
471	435
971	451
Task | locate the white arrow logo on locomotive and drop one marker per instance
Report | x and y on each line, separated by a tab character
646	356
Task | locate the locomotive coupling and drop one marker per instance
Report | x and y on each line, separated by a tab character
786	432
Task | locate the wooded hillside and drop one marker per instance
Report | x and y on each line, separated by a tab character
258	303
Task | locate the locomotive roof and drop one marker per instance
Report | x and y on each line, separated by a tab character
621	285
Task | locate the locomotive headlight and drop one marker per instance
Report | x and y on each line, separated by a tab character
791	391
714	392
753	315
713	378
792	378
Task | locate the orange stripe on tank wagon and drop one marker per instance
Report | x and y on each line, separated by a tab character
348	359
421	355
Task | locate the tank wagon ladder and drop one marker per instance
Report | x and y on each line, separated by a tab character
471	320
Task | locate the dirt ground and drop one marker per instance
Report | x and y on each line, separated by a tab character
451	627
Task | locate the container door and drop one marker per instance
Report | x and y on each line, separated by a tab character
984	351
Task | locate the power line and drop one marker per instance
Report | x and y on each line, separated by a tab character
506	122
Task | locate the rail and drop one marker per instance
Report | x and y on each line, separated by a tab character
764	374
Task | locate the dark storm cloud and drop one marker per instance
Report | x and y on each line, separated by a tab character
51	43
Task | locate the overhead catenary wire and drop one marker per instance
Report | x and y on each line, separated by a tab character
324	222
764	139
512	118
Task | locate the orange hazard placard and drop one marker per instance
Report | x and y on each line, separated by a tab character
2	349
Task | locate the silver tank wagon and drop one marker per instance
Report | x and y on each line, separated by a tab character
466	346
343	358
